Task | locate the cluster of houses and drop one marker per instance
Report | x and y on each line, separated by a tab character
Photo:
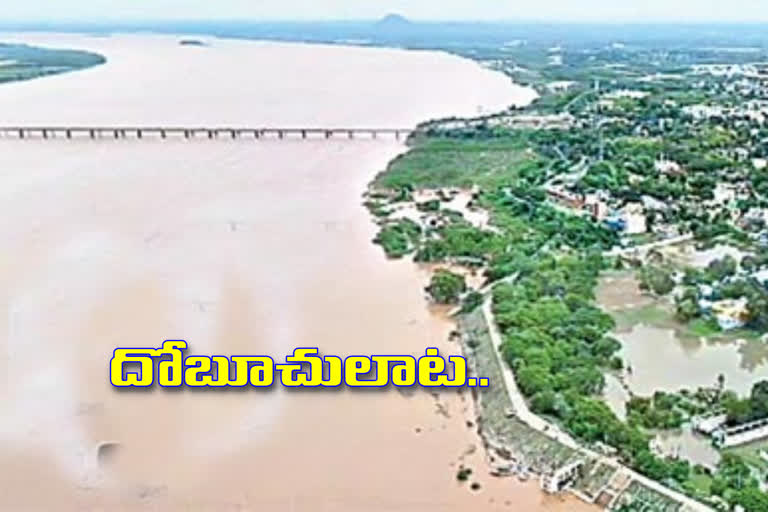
630	219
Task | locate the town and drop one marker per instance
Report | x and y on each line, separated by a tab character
636	165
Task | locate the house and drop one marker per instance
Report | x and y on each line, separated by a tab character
634	216
730	313
741	434
565	198
761	276
651	203
561	478
615	223
665	166
707	425
596	206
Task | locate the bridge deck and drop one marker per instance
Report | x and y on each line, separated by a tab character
189	132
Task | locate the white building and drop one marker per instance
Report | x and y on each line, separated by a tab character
667	166
561	478
731	313
708	424
743	434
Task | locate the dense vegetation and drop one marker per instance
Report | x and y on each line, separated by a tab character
554	336
754	407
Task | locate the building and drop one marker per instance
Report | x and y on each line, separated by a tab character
615	223
665	166
707	425
741	434
565	198
730	313
634	216
561	478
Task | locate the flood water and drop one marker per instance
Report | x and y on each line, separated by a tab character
662	361
238	247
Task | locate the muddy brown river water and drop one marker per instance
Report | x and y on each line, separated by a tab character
237	247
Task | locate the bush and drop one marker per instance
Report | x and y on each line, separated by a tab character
446	287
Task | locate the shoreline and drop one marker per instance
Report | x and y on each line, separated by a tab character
430	477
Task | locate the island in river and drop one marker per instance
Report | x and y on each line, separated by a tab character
237	247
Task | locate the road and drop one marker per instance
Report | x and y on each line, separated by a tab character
617	251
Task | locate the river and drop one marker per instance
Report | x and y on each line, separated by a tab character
238	247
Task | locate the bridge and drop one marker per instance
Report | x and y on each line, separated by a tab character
195	132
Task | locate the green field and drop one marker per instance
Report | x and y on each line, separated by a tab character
751	454
437	163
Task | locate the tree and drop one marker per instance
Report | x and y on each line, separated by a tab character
722	268
752	499
446	287
759	399
657	279
534	379
544	402
472	300
687	307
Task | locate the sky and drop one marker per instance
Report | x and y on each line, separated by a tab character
494	10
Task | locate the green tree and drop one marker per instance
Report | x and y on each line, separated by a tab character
446	287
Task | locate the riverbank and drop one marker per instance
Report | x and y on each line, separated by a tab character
549	265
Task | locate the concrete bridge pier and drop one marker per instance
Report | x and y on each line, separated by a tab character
328	134
210	134
21	134
233	133
280	134
351	134
303	134
69	134
45	134
162	134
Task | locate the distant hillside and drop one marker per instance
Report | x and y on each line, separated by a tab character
393	22
23	62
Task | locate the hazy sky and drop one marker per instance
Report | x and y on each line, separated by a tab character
560	10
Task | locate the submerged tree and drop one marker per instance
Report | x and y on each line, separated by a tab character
446	287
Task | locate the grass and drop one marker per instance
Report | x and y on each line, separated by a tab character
751	454
700	484
702	327
436	163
